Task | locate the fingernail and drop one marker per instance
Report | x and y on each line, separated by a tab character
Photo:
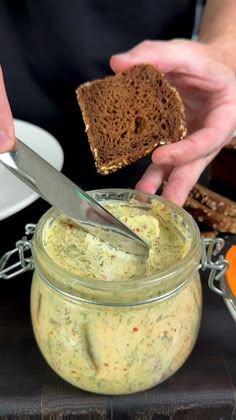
6	143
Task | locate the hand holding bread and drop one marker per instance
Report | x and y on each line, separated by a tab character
208	90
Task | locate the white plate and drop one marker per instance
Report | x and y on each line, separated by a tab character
14	194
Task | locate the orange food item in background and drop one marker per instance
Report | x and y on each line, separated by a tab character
231	272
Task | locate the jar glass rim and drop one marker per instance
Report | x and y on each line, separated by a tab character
103	285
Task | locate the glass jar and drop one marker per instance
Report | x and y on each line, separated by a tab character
118	337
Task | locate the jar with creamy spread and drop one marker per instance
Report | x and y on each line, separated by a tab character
111	322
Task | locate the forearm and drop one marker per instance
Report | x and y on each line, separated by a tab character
218	28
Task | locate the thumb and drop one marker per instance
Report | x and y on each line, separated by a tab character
156	53
177	56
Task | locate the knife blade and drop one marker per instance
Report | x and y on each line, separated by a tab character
70	199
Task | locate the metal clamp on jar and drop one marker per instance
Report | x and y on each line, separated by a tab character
118	324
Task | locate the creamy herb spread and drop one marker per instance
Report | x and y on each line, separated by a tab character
115	349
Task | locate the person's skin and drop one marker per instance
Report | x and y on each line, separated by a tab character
7	136
203	72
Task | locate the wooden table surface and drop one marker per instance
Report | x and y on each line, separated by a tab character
204	388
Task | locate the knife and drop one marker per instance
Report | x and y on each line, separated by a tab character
62	193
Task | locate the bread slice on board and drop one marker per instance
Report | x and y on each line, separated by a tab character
129	114
211	209
213	200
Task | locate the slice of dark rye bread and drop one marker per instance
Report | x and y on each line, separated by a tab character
128	114
213	200
212	209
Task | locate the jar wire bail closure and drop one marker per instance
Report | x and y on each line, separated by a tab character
18	260
211	247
